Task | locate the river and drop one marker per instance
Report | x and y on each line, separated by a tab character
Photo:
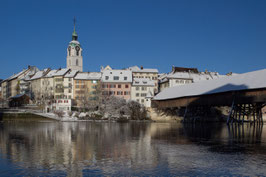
131	149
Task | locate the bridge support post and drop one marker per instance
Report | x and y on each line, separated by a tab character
243	112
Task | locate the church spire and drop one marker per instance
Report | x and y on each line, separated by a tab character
74	34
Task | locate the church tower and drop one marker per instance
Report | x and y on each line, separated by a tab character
74	52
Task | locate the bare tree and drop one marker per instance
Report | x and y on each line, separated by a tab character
59	113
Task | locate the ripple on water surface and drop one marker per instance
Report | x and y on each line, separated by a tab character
131	149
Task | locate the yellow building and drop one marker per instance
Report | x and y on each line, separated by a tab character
85	88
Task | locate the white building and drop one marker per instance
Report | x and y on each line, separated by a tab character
59	104
68	84
180	76
147	73
142	91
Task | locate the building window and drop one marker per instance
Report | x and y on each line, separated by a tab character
119	86
126	93
77	62
143	94
137	100
137	88
116	78
112	86
69	91
106	77
125	78
142	100
126	86
69	79
137	94
77	81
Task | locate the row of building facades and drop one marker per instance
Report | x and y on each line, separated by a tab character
71	86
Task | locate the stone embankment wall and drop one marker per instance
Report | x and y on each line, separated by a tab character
160	116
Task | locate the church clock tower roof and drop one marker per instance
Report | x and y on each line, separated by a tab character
74	34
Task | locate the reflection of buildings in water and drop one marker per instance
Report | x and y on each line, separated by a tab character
46	145
76	147
72	147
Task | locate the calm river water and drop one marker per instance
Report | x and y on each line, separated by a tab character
131	149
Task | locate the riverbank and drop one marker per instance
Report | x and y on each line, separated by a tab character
29	115
22	116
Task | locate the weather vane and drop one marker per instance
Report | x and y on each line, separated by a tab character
74	23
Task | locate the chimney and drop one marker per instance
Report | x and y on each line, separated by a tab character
141	67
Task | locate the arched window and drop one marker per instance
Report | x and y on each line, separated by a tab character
77	62
77	52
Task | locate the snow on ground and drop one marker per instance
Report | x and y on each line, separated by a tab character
250	80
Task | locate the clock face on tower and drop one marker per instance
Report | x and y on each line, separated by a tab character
77	48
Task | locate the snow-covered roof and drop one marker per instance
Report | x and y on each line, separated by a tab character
196	77
14	76
143	82
38	75
74	42
71	73
250	80
61	72
116	76
136	69
19	95
179	75
88	76
51	73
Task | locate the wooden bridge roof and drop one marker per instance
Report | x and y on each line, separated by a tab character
216	92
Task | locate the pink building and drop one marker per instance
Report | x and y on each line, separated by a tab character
117	83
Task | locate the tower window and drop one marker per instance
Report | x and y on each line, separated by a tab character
77	52
77	62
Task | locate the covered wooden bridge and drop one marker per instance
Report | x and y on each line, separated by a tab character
244	93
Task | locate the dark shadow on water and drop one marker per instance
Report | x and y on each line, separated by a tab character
221	138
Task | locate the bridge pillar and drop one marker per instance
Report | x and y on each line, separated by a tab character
245	112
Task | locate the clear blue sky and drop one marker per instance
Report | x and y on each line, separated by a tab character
218	35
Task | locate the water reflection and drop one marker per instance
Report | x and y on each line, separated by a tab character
85	148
